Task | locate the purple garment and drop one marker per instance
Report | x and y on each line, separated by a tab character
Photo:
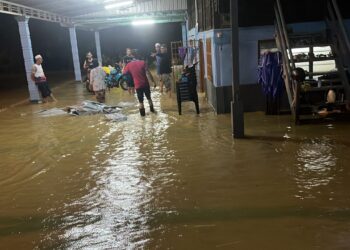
270	74
182	53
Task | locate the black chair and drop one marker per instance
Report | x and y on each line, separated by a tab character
186	88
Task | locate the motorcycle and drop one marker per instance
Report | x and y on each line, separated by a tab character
115	78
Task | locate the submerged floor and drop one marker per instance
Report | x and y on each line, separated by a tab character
170	182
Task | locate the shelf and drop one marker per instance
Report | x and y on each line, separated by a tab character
300	46
320	73
323	88
316	105
330	80
314	60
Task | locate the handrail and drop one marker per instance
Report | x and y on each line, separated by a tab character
341	24
341	43
281	38
284	30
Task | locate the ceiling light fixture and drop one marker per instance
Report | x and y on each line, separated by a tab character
143	22
108	1
119	5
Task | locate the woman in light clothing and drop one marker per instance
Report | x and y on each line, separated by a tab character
97	81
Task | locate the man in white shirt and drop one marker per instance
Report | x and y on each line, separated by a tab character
38	76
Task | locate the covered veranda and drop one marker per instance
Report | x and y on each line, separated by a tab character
166	181
92	16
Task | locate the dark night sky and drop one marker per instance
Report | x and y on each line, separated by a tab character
52	41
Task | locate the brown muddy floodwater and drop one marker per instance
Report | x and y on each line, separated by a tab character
170	182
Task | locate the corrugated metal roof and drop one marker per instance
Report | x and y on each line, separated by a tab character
68	8
151	6
84	12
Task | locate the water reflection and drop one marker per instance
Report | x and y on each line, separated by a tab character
316	167
126	164
169	181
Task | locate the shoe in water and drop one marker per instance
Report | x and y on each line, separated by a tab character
143	112
152	108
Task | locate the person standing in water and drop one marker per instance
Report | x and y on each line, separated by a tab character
138	71
129	57
157	60
87	67
97	78
88	61
38	76
165	70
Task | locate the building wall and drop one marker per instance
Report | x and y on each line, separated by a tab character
222	66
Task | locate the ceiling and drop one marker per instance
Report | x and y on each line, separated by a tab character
261	12
92	13
69	8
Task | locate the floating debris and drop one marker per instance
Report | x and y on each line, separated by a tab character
51	112
86	108
126	104
117	117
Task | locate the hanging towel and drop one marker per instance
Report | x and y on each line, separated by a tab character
270	74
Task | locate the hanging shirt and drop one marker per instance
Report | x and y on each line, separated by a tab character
137	69
182	52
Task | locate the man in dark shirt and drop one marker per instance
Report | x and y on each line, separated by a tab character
156	58
165	69
137	69
127	59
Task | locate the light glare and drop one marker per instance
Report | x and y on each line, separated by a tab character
143	22
118	5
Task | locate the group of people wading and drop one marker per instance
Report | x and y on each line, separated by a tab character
136	69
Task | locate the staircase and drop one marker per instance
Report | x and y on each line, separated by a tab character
312	52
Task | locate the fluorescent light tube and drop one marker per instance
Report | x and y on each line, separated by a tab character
143	22
118	5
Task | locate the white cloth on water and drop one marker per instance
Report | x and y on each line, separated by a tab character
51	112
96	107
117	117
86	108
126	104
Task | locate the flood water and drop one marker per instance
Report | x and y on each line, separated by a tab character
170	182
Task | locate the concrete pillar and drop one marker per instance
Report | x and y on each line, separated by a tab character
98	47
237	103
75	53
26	43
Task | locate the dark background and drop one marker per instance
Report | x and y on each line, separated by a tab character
53	43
